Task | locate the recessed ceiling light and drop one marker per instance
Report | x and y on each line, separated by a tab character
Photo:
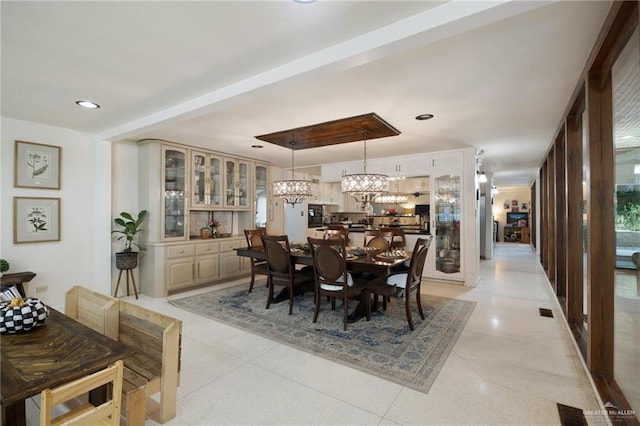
424	117
88	104
257	146
304	1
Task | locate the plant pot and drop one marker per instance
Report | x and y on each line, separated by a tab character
126	260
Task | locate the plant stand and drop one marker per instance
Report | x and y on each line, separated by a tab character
129	272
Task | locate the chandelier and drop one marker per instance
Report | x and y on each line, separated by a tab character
364	187
396	198
292	191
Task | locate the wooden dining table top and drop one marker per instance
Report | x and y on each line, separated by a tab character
59	351
367	262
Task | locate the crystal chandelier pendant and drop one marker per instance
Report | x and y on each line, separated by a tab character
365	186
292	191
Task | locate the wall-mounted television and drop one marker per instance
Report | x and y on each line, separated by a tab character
517	219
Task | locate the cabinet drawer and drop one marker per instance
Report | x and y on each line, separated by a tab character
180	251
207	248
230	245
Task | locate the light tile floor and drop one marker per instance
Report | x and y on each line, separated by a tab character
510	366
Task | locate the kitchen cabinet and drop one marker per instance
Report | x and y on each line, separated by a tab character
405	166
334	172
207	262
447	213
260	194
230	262
179	266
446	160
236	184
206	180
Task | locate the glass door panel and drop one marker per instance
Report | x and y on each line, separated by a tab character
447	224
198	179
174	193
261	197
215	181
230	182
243	184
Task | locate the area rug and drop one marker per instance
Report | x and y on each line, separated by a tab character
383	346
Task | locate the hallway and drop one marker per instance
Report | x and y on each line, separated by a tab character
509	366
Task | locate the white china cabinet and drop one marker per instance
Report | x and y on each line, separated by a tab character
236	183
206	180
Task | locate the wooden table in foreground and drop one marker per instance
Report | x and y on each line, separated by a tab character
365	263
59	351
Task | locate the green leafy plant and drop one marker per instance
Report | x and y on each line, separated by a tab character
4	266
629	217
129	228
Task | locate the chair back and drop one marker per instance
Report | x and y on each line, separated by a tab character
278	253
370	234
398	239
329	262
378	243
105	413
253	236
338	232
418	257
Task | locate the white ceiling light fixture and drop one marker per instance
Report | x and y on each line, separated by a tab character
494	190
365	186
636	169
482	178
88	104
292	191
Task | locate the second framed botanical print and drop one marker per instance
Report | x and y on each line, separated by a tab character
36	166
36	220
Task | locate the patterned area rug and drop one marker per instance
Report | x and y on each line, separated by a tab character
383	346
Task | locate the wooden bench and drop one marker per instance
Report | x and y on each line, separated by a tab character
156	337
156	368
94	310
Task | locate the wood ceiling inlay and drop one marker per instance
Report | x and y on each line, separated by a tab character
334	132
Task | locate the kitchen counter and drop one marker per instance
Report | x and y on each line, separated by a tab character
361	229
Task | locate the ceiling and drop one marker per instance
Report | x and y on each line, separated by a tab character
496	75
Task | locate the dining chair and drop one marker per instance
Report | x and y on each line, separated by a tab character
378	243
331	276
254	239
370	234
107	413
336	232
403	284
281	268
398	239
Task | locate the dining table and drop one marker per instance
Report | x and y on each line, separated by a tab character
59	351
358	259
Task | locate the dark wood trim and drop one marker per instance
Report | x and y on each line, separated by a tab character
543	216
533	222
601	228
551	218
560	216
575	244
610	393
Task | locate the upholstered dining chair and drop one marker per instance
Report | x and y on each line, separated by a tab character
332	278
254	239
107	413
281	269
403	284
379	243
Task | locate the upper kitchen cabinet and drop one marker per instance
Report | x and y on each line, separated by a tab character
236	184
446	159
406	166
335	172
168	216
206	180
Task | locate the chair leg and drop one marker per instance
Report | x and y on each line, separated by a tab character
419	303
407	308
269	293
317	310
290	299
253	278
345	313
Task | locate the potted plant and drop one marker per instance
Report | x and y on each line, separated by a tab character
4	266
129	227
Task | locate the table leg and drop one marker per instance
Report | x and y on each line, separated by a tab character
14	414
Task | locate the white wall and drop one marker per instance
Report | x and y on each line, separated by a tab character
85	228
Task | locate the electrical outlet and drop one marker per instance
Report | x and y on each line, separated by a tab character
42	289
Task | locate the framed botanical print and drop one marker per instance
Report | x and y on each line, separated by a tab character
36	220
36	165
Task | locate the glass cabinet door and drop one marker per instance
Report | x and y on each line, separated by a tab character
198	179
175	178
260	196
230	182
243	184
447	223
215	181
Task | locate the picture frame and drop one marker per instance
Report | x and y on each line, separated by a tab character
36	165
507	204
36	220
